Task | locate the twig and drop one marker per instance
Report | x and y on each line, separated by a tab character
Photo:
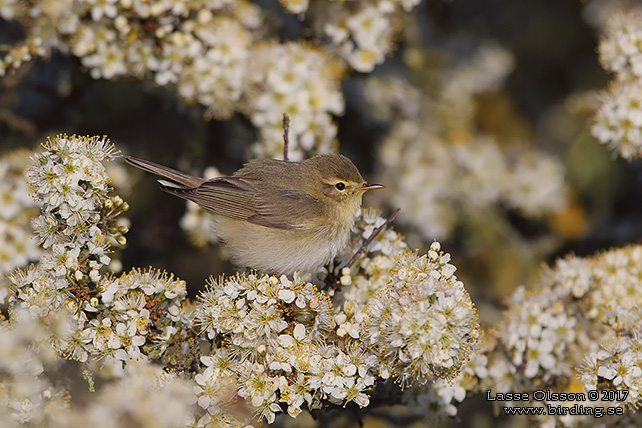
332	280
371	238
286	136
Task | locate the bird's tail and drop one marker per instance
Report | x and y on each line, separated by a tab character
163	171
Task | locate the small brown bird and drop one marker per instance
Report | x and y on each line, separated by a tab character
275	216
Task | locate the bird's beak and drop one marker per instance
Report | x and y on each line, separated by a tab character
367	187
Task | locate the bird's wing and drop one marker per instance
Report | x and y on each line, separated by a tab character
252	201
286	208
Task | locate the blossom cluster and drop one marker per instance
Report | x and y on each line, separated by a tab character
546	333
368	281
65	305
618	121
274	332
218	54
361	33
278	344
77	226
137	307
78	221
303	82
423	324
116	319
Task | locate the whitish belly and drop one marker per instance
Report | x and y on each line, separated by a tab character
279	251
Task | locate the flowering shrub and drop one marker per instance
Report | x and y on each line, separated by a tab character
271	343
396	326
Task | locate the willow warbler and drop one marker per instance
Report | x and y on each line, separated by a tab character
275	216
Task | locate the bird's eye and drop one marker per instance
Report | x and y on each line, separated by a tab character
340	186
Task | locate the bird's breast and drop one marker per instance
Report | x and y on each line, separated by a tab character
305	249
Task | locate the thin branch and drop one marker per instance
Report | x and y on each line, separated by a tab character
371	238
286	135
